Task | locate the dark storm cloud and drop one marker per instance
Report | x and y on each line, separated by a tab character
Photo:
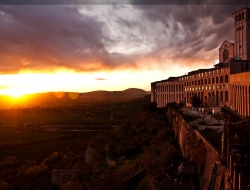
122	2
192	28
51	37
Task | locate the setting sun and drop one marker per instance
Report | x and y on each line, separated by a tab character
15	92
23	83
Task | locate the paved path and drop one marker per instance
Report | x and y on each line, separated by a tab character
209	119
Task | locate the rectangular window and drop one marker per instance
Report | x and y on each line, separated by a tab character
243	16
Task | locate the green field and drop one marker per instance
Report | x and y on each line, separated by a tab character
35	143
111	113
22	134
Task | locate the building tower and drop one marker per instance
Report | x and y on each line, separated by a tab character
242	34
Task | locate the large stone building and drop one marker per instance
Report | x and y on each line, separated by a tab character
226	84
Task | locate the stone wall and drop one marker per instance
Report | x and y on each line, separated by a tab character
195	147
59	176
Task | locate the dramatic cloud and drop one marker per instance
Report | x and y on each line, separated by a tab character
135	36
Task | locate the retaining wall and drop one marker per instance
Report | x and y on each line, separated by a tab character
195	147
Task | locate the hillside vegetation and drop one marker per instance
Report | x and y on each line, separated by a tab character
139	154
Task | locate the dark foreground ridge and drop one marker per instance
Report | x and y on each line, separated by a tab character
141	153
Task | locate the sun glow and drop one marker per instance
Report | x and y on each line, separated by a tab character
17	85
15	92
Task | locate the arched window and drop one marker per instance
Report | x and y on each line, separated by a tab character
226	96
226	78
217	79
221	96
209	81
225	55
221	79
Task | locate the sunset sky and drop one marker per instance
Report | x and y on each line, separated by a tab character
85	47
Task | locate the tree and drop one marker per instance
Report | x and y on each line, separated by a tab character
152	106
196	101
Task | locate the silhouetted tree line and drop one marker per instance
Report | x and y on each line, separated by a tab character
152	106
196	101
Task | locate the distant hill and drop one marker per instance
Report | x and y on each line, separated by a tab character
115	95
51	99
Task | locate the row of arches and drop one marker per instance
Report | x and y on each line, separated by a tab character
164	98
170	88
180	87
211	98
219	79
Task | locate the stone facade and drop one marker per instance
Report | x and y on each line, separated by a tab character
226	52
213	86
240	93
242	33
210	85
